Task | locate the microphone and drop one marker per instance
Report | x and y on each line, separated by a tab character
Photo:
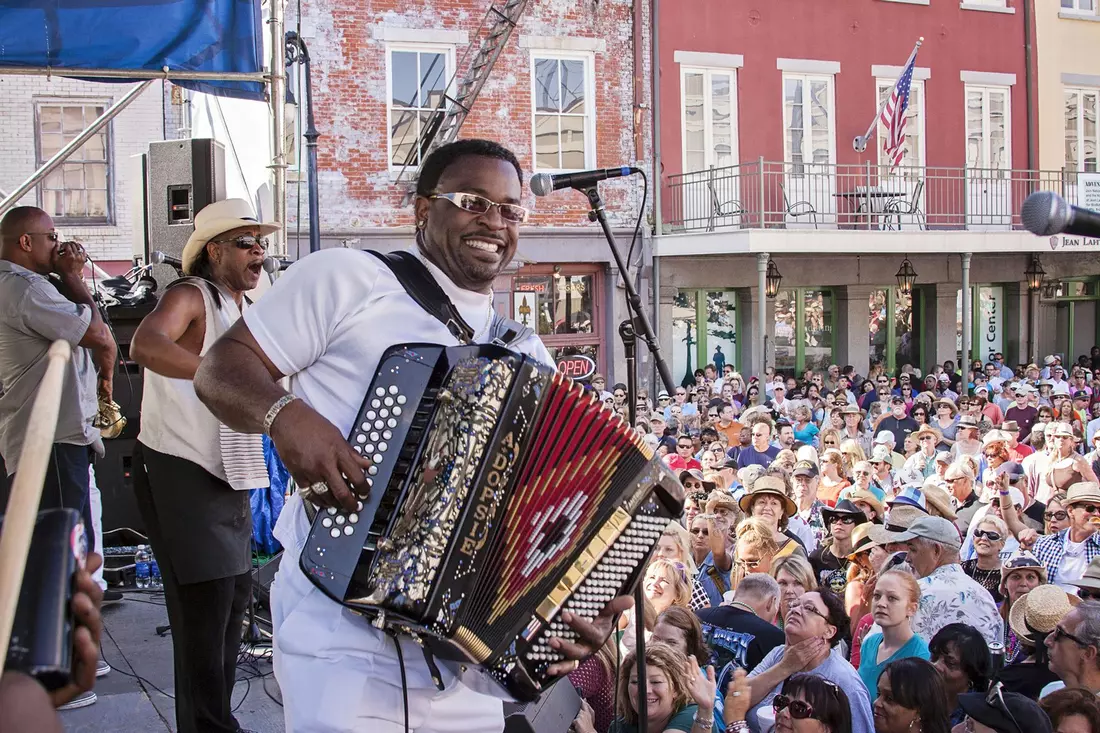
156	257
543	184
274	264
1046	213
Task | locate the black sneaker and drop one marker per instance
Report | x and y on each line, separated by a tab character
111	596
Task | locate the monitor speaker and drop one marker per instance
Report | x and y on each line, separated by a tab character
181	177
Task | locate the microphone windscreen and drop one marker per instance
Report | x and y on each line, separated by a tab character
542	184
156	257
1045	213
271	265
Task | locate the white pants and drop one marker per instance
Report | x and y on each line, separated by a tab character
338	674
96	500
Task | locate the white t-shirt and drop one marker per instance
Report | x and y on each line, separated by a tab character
1074	563
325	323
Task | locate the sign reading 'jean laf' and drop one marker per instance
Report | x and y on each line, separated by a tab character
991	325
1088	190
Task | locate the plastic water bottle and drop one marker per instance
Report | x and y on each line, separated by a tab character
141	567
154	572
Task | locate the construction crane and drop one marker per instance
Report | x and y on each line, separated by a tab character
470	75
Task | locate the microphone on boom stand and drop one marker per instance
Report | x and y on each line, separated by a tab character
637	326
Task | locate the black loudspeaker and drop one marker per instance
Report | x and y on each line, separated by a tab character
553	712
114	475
181	177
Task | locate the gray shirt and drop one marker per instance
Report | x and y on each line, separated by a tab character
33	314
835	669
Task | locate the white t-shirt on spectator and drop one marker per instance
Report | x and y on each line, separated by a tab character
1074	563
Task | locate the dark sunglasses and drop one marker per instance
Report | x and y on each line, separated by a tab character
1090	508
1058	516
989	535
843	520
1086	594
1059	633
246	242
799	709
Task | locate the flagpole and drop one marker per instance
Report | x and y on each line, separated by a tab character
860	141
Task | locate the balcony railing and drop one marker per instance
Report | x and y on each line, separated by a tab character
766	194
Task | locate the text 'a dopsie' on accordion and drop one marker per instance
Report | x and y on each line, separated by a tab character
502	494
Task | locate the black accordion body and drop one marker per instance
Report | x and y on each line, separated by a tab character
502	494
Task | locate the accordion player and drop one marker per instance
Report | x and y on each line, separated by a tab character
501	494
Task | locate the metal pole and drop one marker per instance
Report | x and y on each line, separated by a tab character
297	52
137	74
62	155
758	358
278	122
966	301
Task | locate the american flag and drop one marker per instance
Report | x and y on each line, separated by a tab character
893	112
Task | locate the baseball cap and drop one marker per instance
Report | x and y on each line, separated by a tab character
880	454
1080	395
884	437
943	457
804	468
935	529
944	377
897	400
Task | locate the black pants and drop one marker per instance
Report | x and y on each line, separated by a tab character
206	619
66	485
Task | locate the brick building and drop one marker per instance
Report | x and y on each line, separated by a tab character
91	197
561	95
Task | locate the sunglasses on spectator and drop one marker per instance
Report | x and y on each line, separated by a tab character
1086	594
842	520
701	531
798	709
927	437
1090	508
1059	633
1058	516
987	534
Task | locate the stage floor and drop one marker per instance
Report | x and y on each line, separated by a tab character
132	647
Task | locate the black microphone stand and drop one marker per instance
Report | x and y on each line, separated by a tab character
636	324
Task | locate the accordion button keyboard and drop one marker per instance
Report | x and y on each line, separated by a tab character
393	389
379	424
331	511
368	448
370	414
383	446
383	412
396	411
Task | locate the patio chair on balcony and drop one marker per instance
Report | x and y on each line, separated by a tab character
897	208
798	208
721	209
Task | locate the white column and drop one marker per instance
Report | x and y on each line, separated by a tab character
966	303
758	357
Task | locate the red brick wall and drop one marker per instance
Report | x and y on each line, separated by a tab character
356	186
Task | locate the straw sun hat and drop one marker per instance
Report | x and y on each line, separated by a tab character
1039	611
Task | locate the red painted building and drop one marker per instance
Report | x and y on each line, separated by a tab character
759	104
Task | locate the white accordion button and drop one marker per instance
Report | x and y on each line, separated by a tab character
383	446
383	412
369	448
379	424
341	519
376	403
334	532
393	389
353	517
348	530
358	506
326	522
372	471
388	402
380	391
360	438
374	437
401	399
386	435
331	510
396	410
391	423
371	414
377	458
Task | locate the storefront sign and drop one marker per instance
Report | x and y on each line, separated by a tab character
991	320
1088	190
577	366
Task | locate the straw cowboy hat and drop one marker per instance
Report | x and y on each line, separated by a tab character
216	219
720	500
768	485
939	503
947	403
850	409
901	516
865	536
1039	611
927	430
867	497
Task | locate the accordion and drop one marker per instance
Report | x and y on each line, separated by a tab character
502	493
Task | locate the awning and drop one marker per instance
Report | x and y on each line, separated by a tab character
197	37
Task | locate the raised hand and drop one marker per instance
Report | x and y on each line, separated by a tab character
701	688
738	698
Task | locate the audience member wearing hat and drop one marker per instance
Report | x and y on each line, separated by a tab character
948	595
1066	554
1088	586
1010	713
869	504
213	223
921	464
937	500
768	502
804	484
830	561
1021	572
1031	618
692	480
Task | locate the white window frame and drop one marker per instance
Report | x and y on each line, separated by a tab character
108	219
1077	9
916	83
1080	92
807	79
971	87
708	118
589	60
448	73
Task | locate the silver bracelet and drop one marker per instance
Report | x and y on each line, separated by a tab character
273	412
703	723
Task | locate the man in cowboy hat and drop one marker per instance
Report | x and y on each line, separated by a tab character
187	464
921	464
948	594
1068	553
853	427
830	561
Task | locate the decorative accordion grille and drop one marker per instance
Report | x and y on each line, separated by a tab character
582	458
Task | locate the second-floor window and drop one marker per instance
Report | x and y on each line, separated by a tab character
988	135
1079	6
564	112
418	78
709	118
77	192
808	120
1082	110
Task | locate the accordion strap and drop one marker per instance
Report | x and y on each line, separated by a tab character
422	287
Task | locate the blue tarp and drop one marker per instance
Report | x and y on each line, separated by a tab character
267	503
184	35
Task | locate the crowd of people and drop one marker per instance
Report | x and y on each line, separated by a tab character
899	553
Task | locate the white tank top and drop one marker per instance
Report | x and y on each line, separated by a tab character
173	420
